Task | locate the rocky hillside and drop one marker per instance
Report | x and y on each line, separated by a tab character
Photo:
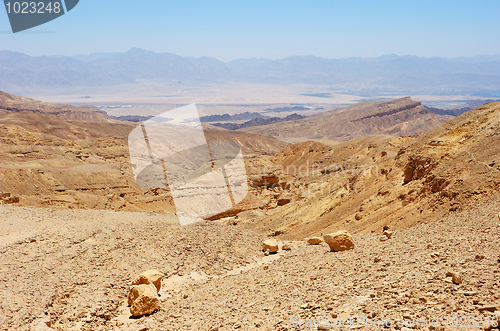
363	184
397	117
49	159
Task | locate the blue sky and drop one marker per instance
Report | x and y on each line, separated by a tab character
272	29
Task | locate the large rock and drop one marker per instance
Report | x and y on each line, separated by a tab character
339	241
270	245
143	299
149	277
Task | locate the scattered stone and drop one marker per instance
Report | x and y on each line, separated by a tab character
339	241
286	247
270	245
383	238
377	259
282	202
387	233
143	299
149	277
456	278
358	217
385	228
314	241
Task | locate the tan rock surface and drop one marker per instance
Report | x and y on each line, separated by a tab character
149	277
314	240
339	241
270	245
143	299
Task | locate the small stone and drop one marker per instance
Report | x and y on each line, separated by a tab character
144	299
358	216
377	259
324	326
456	278
270	245
286	247
383	238
282	202
339	241
314	241
149	277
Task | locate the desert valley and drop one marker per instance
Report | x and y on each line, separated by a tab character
417	188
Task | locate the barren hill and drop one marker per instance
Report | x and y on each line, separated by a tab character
15	103
397	117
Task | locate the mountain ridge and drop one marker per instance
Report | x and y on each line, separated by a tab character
19	72
403	116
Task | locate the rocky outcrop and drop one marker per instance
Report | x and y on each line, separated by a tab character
418	167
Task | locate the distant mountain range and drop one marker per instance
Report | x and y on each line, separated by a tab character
236	117
363	76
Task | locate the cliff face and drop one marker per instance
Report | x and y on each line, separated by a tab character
397	117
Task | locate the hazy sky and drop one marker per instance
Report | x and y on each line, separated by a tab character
272	29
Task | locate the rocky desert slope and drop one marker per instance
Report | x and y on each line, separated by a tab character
396	117
71	270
